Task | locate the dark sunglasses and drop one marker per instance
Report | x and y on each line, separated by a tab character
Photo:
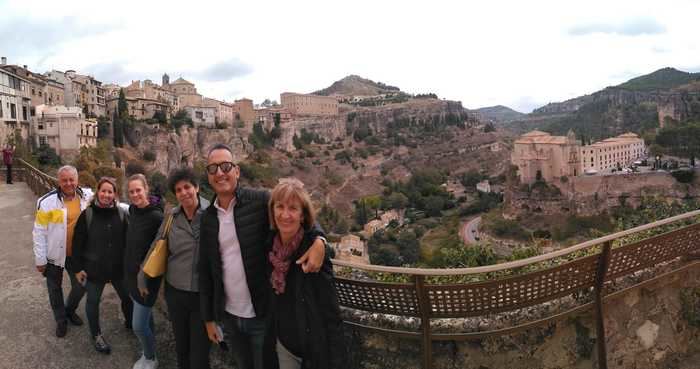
225	167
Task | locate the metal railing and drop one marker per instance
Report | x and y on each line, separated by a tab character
38	181
592	267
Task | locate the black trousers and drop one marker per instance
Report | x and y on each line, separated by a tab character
191	340
94	296
9	174
54	282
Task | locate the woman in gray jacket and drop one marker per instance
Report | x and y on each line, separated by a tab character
181	277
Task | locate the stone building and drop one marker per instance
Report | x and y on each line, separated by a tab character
152	91
202	116
139	108
306	104
267	116
541	156
81	90
243	111
65	129
614	152
185	91
224	110
92	95
44	90
15	104
351	248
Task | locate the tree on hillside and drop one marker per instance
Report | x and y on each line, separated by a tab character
682	140
181	118
117	132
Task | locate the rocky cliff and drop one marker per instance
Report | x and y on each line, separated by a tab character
415	111
189	145
186	146
590	195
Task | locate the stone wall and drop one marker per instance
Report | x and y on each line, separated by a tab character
653	327
589	195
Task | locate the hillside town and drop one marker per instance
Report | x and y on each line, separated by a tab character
60	109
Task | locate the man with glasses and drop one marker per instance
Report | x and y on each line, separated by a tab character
234	287
56	215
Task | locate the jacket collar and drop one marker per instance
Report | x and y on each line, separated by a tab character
78	191
202	207
236	196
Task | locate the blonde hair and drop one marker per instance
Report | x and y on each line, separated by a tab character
292	189
138	177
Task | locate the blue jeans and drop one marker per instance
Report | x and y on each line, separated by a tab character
143	329
246	337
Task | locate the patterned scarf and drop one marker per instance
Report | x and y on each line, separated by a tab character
280	259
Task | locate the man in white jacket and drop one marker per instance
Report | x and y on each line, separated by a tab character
56	216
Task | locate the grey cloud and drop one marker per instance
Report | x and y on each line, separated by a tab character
29	35
113	72
224	71
631	27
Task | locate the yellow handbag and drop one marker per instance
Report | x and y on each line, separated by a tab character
158	259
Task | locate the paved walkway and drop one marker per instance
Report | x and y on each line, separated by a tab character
27	339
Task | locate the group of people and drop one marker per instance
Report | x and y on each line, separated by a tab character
253	262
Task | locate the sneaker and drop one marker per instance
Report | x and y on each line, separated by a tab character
139	364
74	318
150	364
101	345
61	329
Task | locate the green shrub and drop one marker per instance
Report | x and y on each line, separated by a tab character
149	156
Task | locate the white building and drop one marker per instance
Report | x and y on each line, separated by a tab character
65	129
612	152
483	186
202	116
15	104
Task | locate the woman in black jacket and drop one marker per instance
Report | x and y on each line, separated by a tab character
145	217
98	254
305	312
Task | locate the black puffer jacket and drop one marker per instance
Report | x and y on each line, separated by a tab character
143	227
99	251
310	304
252	229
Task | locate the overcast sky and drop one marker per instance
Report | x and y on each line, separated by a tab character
522	54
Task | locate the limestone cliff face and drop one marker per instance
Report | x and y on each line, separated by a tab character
378	118
595	194
675	104
414	111
329	128
190	145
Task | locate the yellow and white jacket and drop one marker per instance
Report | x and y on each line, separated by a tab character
50	226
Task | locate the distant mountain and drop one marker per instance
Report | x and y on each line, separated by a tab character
638	105
662	79
639	88
354	85
500	114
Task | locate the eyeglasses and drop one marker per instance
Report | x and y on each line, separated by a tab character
224	166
